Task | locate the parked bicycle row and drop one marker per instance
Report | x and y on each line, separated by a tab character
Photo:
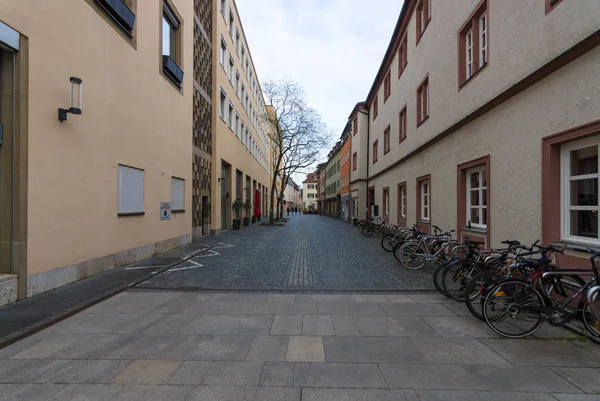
514	289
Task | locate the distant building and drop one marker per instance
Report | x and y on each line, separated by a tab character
310	192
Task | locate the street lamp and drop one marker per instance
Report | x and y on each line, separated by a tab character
75	95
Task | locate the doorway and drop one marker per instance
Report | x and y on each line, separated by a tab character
225	198
370	202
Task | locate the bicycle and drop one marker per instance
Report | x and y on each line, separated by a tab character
414	254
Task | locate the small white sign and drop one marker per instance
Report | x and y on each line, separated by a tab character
165	210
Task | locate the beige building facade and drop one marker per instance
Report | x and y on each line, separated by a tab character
84	195
310	191
484	118
240	144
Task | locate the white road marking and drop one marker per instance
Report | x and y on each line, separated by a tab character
141	267
223	245
186	268
206	255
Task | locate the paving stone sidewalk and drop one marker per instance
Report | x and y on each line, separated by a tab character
159	345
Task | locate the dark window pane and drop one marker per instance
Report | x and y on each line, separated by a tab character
584	161
484	216
475	198
484	197
475	215
475	180
584	192
584	223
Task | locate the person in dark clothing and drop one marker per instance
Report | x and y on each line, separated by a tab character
288	211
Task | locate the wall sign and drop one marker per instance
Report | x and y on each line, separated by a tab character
165	210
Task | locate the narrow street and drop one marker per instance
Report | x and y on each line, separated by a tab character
301	341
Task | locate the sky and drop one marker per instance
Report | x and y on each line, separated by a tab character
332	48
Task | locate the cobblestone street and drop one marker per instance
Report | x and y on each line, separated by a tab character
311	253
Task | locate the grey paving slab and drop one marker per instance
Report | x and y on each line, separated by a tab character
432	298
345	326
460	327
399	299
284	308
459	309
148	307
268	348
576	397
532	352
147	372
12	370
328	394
218	308
281	298
22	345
385	326
346	375
288	325
170	324
251	298
587	379
191	373
76	372
324	298
417	310
588	346
137	295
375	298
277	374
138	347
230	325
233	374
214	393
457	350
111	305
48	346
317	325
358	299
371	350
87	392
305	349
88	344
355	309
445	395
28	392
153	392
213	348
105	324
471	377
224	297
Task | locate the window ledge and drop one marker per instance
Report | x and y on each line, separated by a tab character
172	70
120	13
464	83
131	214
475	230
178	211
422	121
424	222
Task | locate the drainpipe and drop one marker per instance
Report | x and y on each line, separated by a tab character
368	145
12	202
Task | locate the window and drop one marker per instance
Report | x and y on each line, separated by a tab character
237	83
231	24
423	17
402	201
424	194
122	16
477	197
402	56
402	124
375	107
243	94
177	195
223	7
246	102
131	191
243	55
247	69
423	102
354	161
231	70
171	39
473	44
223	104
237	125
223	52
242	133
579	191
230	115
355	125
237	41
387	87
375	146
386	204
551	5
386	140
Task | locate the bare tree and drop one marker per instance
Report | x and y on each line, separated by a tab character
297	135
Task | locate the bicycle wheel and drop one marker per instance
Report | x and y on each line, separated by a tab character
590	314
503	309
454	282
388	242
368	231
475	290
439	273
412	255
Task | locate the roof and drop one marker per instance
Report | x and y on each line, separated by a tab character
310	179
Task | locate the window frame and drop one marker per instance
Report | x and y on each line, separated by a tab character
483	173
223	53
387	86
355	125
402	55
230	120
425	212
237	124
174	208
223	105
170	65
375	107
386	140
375	151
386	204
472	28
566	179
402	124
121	212
423	91
424	224
230	71
551	5
231	23
402	204
423	15
354	161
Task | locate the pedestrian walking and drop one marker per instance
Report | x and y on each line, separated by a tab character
288	211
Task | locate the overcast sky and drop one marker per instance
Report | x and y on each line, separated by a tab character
332	48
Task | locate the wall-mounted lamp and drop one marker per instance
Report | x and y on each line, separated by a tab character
75	98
